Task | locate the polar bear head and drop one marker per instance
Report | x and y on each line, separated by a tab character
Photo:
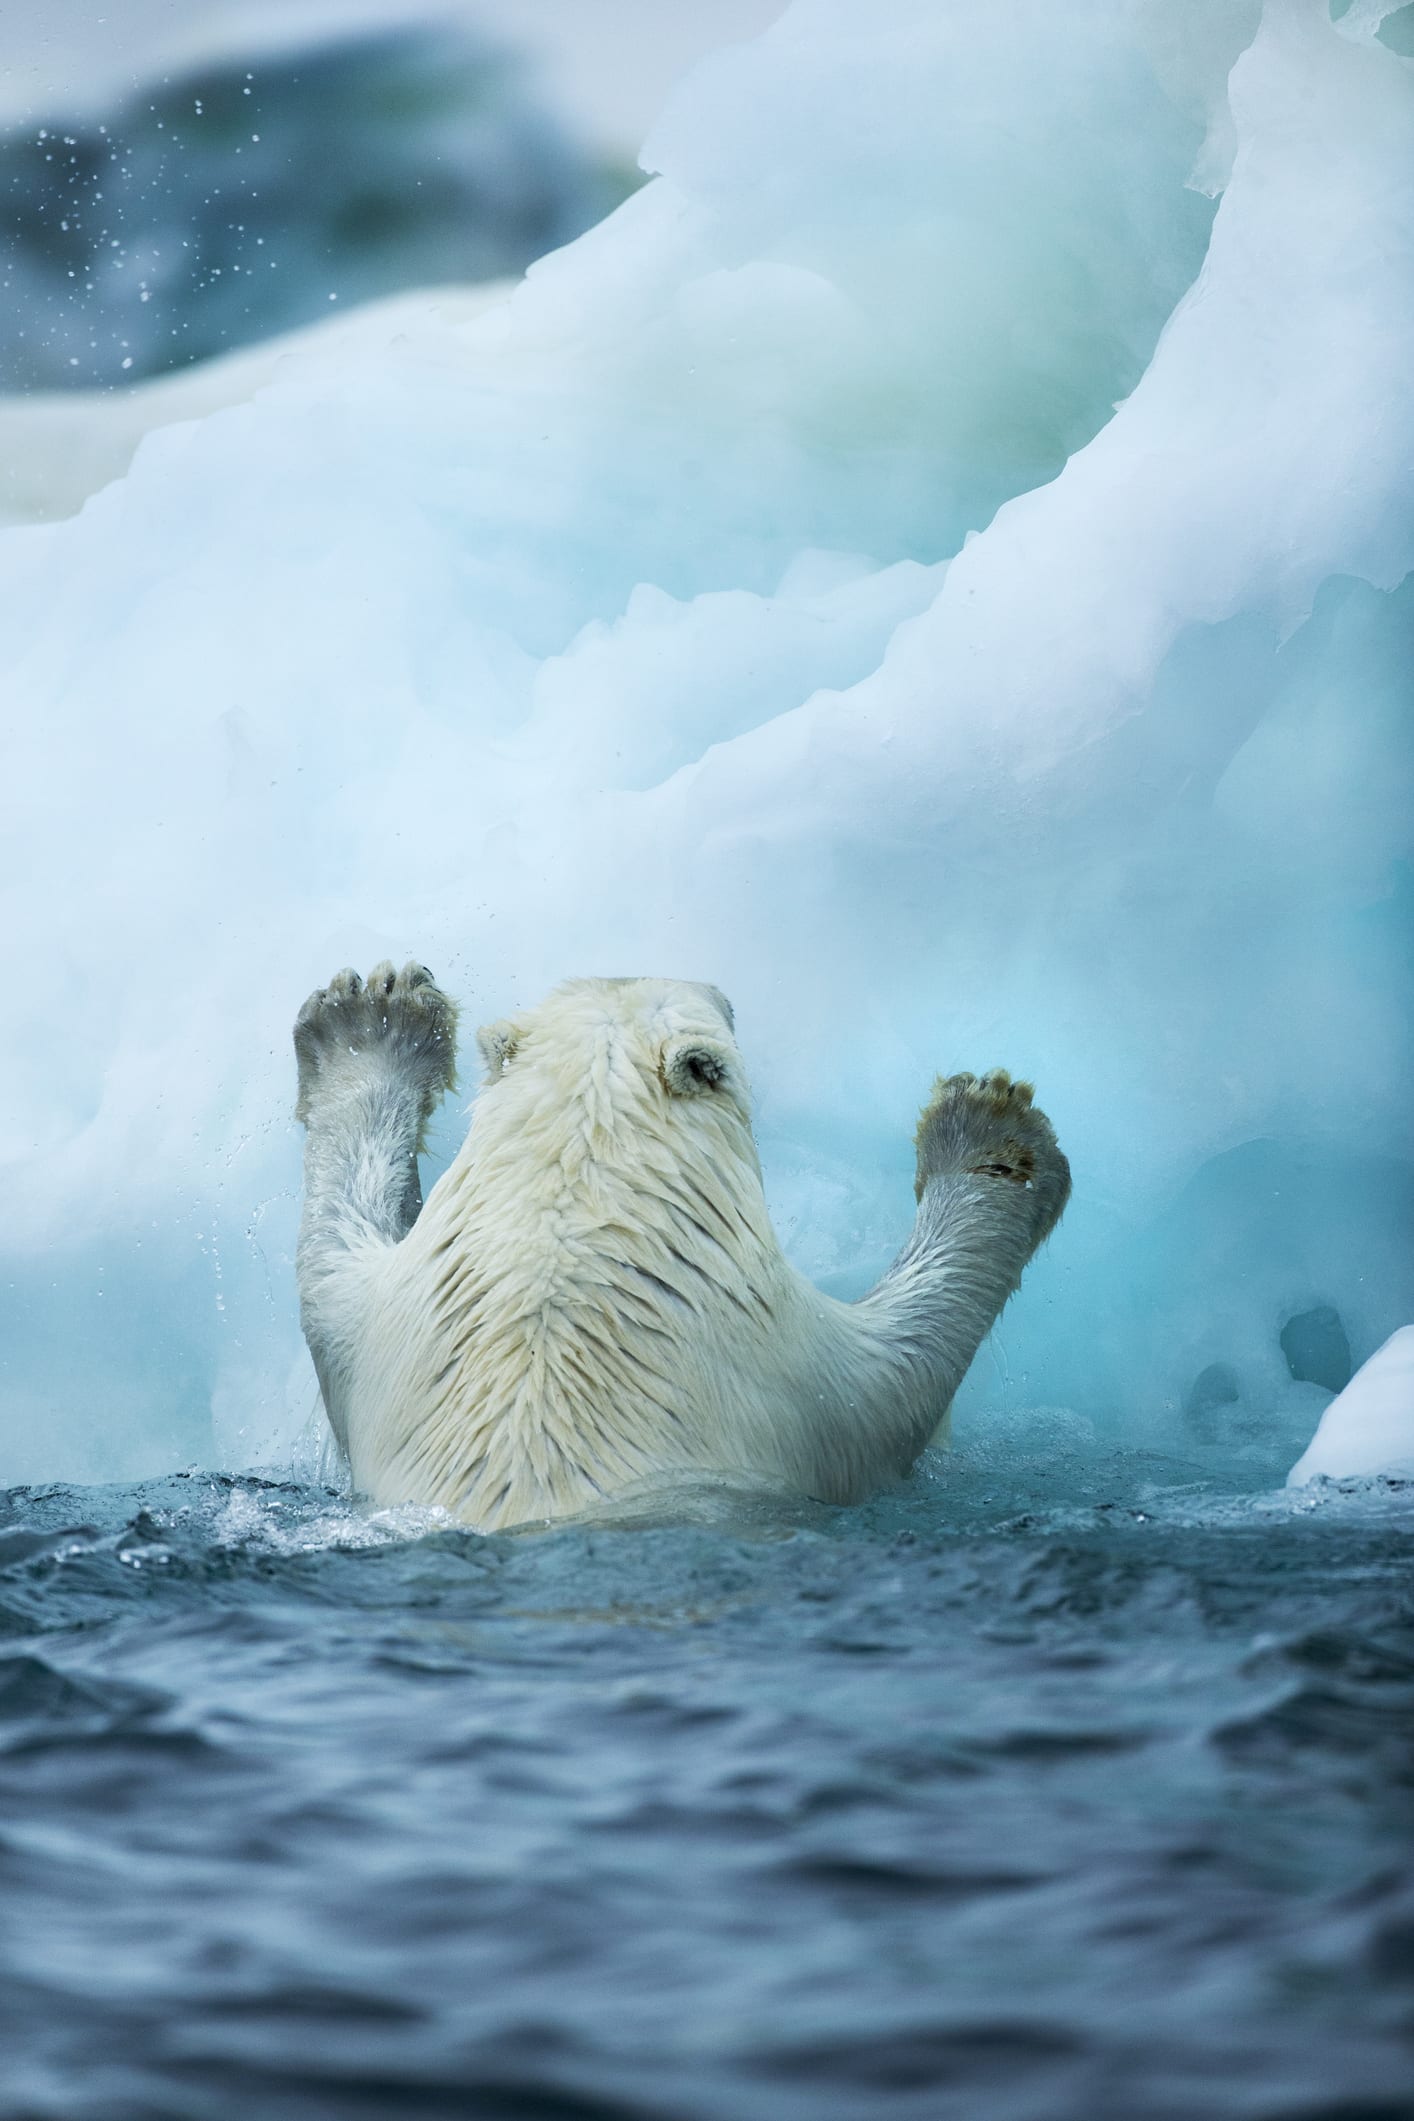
616	1069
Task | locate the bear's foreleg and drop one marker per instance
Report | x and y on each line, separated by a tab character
373	1059
991	1185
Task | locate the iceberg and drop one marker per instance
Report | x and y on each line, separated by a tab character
935	563
1368	1428
59	446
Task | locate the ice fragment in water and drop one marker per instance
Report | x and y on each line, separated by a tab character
1369	1427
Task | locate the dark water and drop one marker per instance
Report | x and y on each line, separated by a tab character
210	209
970	1803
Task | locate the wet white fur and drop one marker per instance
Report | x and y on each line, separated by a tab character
593	1296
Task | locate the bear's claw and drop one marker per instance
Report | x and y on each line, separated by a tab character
398	1018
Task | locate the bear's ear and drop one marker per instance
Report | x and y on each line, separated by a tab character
722	1003
497	1044
691	1067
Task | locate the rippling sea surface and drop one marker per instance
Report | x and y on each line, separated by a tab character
982	1801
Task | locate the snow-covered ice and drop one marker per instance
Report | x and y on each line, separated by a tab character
58	447
935	563
1369	1427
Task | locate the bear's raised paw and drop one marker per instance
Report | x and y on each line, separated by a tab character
987	1127
398	1021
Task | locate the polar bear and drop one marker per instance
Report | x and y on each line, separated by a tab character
593	1297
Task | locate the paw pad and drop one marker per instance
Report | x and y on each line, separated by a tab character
399	1019
988	1127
